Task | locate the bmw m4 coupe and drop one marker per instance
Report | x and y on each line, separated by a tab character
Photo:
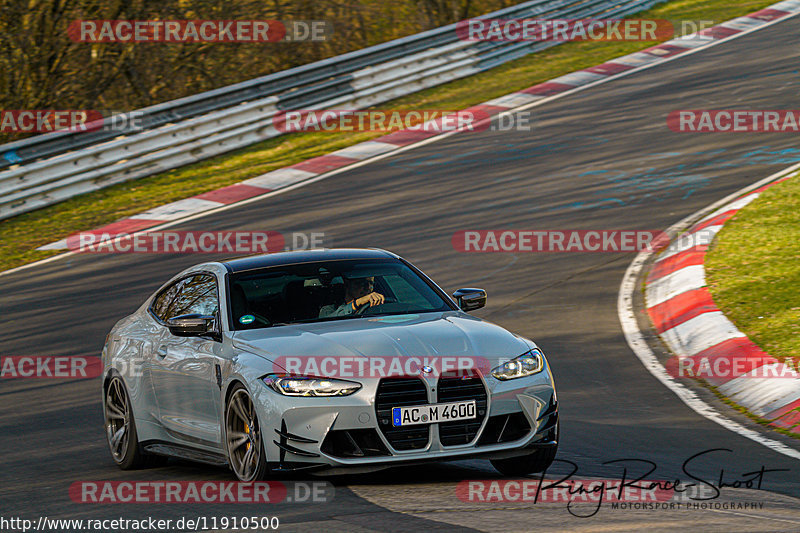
333	361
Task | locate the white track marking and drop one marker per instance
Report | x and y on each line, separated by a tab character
279	178
768	393
678	282
514	100
365	150
701	333
177	210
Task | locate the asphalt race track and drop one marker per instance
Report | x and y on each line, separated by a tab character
599	159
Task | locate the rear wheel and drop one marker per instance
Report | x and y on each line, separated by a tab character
243	435
121	428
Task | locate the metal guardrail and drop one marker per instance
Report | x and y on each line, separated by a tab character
49	168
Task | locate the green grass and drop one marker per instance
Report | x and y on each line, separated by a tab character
753	270
19	236
753	273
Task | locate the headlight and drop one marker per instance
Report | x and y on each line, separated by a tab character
310	386
526	364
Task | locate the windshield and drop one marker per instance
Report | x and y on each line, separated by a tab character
328	290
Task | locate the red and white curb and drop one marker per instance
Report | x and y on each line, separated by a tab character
641	346
683	313
354	155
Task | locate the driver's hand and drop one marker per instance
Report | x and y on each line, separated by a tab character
372	299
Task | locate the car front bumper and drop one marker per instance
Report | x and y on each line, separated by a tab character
350	434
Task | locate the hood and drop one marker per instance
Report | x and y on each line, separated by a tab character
429	334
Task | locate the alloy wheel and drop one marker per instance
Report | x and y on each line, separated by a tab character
243	435
117	413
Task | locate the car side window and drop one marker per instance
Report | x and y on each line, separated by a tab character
197	296
161	305
191	295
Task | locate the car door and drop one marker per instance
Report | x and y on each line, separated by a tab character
184	369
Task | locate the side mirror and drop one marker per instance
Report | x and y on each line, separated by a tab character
470	299
191	325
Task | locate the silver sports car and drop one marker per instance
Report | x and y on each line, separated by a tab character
336	361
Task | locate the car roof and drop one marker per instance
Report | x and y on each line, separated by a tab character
253	262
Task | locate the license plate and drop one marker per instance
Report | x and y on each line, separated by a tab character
434	413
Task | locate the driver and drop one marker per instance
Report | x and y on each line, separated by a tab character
357	292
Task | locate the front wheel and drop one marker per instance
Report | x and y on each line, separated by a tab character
243	434
538	461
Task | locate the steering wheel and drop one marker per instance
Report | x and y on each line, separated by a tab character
363	307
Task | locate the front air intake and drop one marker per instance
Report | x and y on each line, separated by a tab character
456	389
401	392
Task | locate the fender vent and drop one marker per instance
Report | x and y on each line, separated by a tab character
353	443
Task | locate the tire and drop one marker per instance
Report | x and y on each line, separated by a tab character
120	428
246	453
538	461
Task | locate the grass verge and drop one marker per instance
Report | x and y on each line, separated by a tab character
21	235
753	272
